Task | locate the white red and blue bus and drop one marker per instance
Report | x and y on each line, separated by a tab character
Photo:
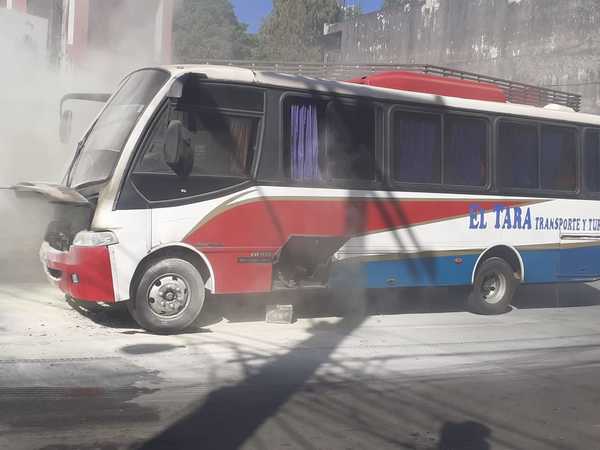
207	180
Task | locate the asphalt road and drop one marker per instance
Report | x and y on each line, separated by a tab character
415	373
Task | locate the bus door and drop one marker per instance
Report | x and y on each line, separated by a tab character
579	255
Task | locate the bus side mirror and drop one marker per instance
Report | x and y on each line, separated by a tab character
177	152
66	122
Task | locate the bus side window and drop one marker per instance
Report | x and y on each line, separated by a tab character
416	151
152	159
465	151
592	160
518	155
350	142
304	140
559	158
328	141
224	144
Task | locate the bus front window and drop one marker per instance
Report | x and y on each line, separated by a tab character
101	148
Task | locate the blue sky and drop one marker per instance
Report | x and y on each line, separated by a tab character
252	12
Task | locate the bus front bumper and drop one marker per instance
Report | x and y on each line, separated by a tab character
84	273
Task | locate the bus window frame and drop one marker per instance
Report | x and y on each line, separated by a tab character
587	194
384	134
488	151
142	143
539	192
440	187
96	186
377	183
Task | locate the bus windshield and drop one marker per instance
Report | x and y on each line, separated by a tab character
100	149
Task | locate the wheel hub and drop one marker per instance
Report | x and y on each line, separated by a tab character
493	288
168	296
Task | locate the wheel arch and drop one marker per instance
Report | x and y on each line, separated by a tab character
507	252
183	251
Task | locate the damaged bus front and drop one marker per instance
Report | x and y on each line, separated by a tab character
78	252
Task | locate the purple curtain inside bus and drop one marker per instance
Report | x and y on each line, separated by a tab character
592	161
559	155
418	148
518	154
305	143
465	152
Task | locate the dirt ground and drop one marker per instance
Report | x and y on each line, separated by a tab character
416	372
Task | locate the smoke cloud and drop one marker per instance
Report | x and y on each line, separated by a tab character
31	87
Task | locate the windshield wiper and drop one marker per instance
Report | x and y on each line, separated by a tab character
78	150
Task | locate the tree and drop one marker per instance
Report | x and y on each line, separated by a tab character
351	11
393	3
209	29
293	30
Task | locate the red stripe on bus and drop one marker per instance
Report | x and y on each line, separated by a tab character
266	224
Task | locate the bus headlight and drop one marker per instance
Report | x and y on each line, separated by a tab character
95	239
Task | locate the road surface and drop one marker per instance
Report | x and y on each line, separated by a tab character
415	373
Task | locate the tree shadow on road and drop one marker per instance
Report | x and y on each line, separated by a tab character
320	303
232	414
464	436
557	296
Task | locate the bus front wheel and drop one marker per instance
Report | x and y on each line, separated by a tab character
494	287
169	296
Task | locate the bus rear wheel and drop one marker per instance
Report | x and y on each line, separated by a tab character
169	296
494	287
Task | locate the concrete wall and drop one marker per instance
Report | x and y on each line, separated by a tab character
543	42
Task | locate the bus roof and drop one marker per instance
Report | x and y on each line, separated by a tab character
287	81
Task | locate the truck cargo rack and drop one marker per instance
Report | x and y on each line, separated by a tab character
515	92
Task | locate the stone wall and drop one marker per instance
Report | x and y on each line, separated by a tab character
543	42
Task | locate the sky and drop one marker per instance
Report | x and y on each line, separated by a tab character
252	12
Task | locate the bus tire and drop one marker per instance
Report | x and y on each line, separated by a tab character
169	296
131	308
494	287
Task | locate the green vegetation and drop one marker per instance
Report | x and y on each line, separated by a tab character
392	3
293	29
209	29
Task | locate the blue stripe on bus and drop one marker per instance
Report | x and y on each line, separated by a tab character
541	266
431	271
565	265
408	272
578	262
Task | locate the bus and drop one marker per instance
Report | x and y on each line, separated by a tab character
207	180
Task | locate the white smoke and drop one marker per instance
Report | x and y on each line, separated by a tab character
30	91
